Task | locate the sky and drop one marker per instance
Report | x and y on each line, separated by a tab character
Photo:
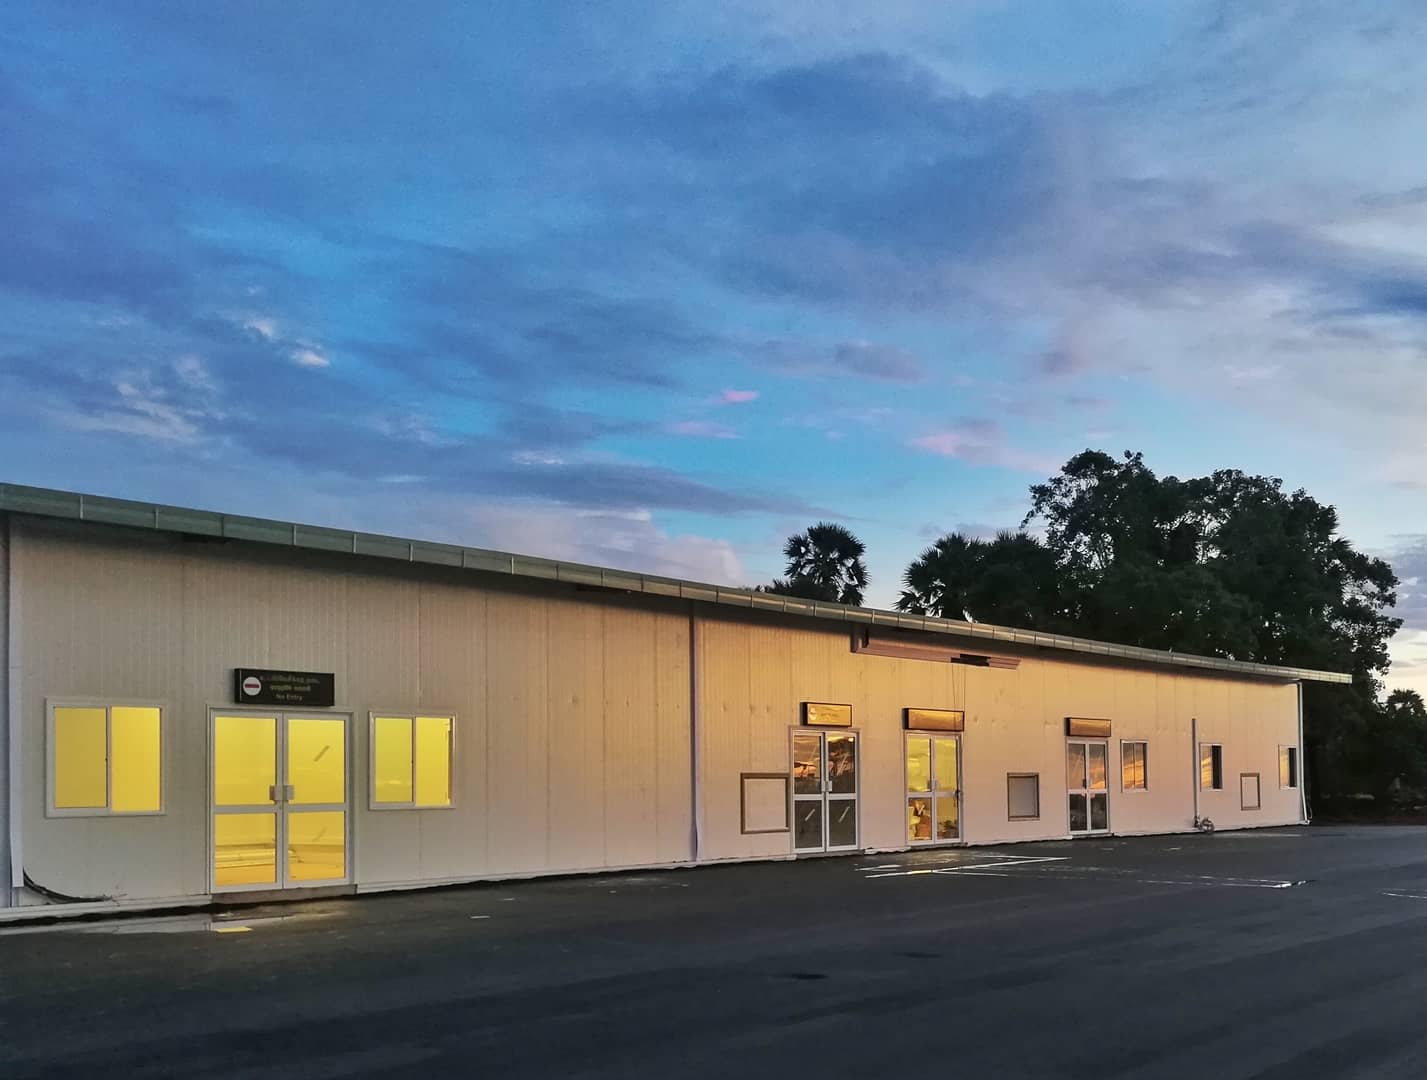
655	285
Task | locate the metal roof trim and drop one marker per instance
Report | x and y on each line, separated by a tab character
72	506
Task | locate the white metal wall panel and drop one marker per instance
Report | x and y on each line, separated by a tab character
517	751
577	711
631	738
674	807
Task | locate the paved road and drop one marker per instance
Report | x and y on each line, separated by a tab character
1291	953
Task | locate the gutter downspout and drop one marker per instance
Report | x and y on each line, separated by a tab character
696	788
15	873
1304	817
1194	756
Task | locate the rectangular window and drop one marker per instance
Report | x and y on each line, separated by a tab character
105	759
1133	776
1288	766
1023	796
411	761
1211	767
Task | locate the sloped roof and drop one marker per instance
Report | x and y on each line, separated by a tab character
71	506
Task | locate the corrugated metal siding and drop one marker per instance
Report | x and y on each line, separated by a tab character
757	676
544	688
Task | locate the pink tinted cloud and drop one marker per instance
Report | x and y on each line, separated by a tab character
703	429
738	397
979	443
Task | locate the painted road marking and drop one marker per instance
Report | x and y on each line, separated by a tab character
1010	866
1005	861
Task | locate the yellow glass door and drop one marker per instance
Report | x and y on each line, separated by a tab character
279	801
245	802
315	803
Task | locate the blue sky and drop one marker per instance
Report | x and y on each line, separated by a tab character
656	284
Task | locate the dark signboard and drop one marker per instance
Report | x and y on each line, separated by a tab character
934	719
823	714
1092	729
259	686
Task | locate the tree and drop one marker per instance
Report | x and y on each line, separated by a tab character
1231	565
824	563
1010	580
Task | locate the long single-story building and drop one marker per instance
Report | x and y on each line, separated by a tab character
197	705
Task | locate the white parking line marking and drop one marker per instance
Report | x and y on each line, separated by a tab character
1006	862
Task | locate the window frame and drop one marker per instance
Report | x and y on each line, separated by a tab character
1145	743
1296	767
1217	779
1023	776
108	705
407	714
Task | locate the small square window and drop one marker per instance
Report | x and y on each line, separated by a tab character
1133	757
1211	767
105	759
411	761
1288	766
1023	796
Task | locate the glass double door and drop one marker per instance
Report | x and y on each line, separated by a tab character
279	800
1086	784
933	788
824	791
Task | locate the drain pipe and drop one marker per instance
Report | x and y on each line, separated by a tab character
696	788
1302	777
1194	757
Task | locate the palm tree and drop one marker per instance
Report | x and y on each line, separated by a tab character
824	563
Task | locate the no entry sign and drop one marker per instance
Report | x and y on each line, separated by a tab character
262	686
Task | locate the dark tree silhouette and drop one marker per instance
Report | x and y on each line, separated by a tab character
824	563
1011	580
1231	565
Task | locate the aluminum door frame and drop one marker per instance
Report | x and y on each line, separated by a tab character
824	797
1087	791
280	774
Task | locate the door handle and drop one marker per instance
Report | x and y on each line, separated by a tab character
272	793
288	793
281	793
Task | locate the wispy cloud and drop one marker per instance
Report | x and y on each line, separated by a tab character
738	397
981	442
703	429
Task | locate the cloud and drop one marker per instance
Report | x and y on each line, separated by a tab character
630	541
737	397
703	429
1409	562
981	442
261	325
310	358
860	359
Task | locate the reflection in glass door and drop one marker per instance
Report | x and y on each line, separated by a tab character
1086	783
933	788
824	791
279	801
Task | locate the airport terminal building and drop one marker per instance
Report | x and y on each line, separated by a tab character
197	705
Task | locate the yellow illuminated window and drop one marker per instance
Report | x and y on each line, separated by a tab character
411	761
106	759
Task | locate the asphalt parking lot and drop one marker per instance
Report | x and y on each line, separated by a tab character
1294	952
